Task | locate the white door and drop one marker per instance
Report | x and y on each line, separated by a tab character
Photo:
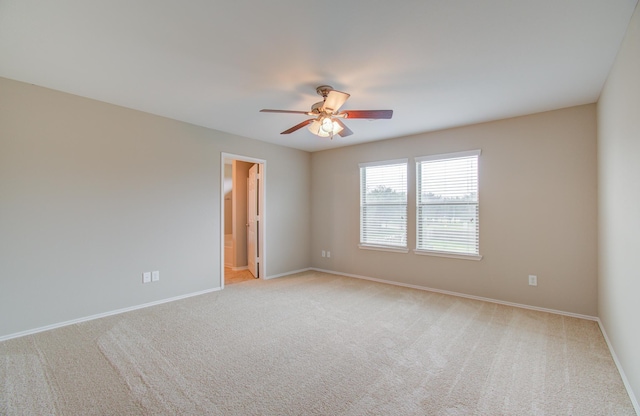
253	217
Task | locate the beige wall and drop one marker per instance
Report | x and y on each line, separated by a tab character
92	195
619	202
537	211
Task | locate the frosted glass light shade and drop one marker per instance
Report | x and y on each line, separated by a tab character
325	127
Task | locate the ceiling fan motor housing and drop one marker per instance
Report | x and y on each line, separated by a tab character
316	107
324	90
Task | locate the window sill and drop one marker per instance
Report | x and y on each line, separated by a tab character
383	248
450	255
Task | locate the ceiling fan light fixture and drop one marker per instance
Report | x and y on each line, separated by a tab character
325	127
337	128
314	128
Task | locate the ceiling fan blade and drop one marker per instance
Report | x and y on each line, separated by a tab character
334	101
298	126
346	131
283	111
370	114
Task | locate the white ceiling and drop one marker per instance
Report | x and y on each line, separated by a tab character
216	63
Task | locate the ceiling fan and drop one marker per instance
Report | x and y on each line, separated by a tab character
326	121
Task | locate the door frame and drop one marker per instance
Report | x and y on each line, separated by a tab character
263	203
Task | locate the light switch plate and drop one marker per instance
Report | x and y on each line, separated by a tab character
146	277
155	276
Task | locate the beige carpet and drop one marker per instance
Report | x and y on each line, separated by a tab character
315	344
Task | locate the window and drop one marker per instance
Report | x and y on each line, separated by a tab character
447	204
383	205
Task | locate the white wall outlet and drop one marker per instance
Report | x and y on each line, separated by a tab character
146	277
533	280
155	276
328	254
324	253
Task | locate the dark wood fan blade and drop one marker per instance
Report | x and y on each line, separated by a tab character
346	131
283	111
370	114
297	126
334	101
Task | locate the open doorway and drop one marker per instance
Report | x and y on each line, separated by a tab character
242	218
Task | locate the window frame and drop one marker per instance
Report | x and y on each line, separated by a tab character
418	174
376	246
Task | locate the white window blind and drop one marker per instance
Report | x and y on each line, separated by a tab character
447	203
383	204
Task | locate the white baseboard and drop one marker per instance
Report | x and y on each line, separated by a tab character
102	315
131	308
462	295
632	396
288	273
